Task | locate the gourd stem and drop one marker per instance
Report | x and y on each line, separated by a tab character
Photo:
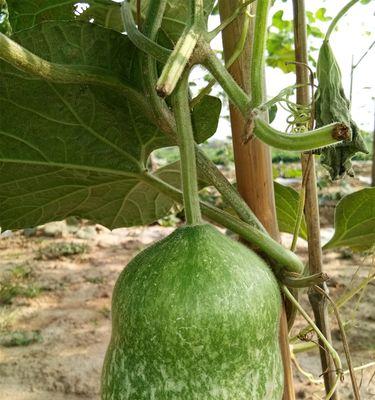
236	53
332	351
258	53
284	258
236	95
310	140
229	193
165	120
335	20
198	14
181	109
298	223
243	8
141	41
154	18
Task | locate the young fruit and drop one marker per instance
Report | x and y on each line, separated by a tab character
195	317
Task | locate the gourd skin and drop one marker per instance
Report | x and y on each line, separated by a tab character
195	317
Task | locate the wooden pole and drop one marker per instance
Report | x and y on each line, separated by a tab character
317	300
253	161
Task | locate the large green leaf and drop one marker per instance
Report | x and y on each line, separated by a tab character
355	221
69	149
286	208
28	13
41	121
31	195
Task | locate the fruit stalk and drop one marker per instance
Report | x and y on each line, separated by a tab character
181	109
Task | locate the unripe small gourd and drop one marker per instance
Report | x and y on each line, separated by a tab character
195	317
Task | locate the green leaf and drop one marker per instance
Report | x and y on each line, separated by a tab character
310	17
279	22
321	15
314	31
5	26
281	58
280	50
355	221
70	149
272	113
26	14
34	194
286	208
205	118
41	120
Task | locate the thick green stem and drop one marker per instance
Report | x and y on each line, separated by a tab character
181	109
141	41
284	258
236	53
298	223
230	195
236	95
243	8
310	140
258	54
198	15
341	13
154	18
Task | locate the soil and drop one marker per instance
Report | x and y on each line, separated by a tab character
61	310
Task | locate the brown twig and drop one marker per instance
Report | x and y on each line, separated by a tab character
344	342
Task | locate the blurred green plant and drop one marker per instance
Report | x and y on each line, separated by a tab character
21	338
62	249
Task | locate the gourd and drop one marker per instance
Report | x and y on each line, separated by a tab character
195	316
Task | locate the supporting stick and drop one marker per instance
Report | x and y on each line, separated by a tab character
318	302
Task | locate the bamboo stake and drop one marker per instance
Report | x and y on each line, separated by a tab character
253	161
317	300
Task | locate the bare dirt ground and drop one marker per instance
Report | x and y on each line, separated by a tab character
55	295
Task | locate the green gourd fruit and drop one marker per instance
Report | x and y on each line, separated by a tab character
195	317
